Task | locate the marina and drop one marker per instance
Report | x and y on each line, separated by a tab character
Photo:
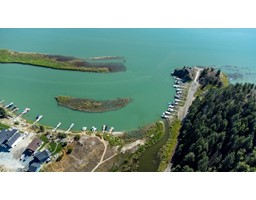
146	79
172	105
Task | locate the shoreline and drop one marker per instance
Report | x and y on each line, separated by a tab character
27	123
53	141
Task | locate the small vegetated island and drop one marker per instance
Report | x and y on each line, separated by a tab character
90	105
102	64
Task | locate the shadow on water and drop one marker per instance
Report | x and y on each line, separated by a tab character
149	161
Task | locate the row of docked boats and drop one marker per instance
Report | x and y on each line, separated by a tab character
171	110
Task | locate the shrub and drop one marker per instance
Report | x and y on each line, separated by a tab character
77	137
69	150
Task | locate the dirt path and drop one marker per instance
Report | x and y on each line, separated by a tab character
103	154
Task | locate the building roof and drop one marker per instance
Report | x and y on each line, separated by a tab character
35	144
2	134
6	135
34	167
13	139
43	156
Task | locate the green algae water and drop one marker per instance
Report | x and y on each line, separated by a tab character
150	54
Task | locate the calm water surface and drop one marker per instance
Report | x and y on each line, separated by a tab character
151	54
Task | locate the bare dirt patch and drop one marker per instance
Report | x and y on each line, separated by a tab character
86	154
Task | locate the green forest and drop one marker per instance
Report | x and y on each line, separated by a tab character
218	133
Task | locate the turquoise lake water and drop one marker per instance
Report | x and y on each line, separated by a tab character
151	55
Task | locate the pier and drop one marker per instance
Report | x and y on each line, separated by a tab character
58	125
23	112
71	126
38	118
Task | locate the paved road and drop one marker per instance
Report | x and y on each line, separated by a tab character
190	97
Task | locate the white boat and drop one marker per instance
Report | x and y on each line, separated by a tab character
39	117
170	110
171	106
25	110
93	129
164	116
167	113
178	100
84	128
177	78
9	105
111	129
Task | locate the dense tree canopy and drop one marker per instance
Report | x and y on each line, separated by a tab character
219	132
210	76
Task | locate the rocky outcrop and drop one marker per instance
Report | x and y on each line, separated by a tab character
186	73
